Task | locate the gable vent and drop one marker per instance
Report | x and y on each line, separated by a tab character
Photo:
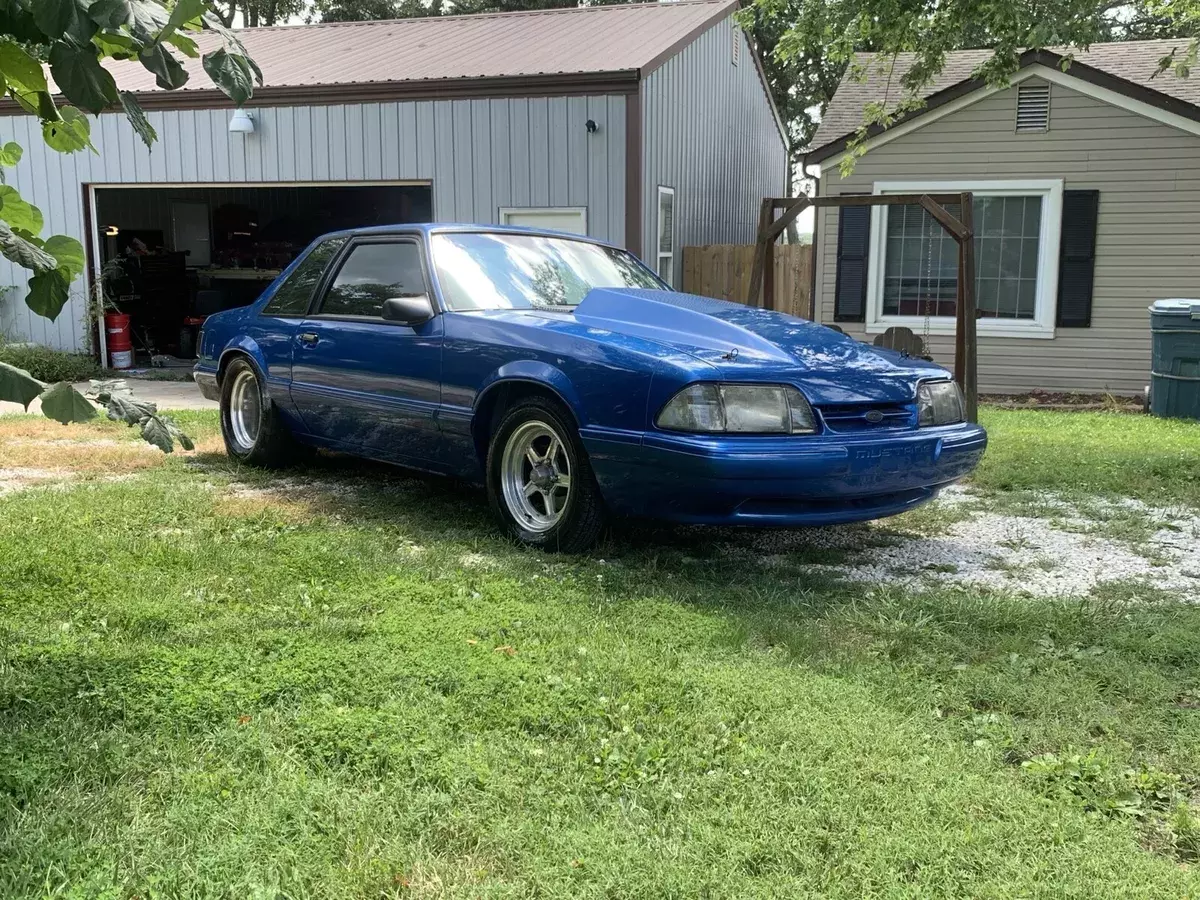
1033	107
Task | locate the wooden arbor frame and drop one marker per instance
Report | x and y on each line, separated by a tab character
762	276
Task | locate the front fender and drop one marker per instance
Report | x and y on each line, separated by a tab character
536	372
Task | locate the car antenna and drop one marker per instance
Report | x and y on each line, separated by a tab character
731	355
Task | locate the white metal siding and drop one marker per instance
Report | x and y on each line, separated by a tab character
1148	175
480	155
708	132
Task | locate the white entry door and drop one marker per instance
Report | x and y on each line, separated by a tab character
572	219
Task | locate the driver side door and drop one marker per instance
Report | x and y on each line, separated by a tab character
361	382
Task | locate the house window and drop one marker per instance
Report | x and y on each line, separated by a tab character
665	264
915	261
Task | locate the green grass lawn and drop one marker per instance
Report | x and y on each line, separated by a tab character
350	686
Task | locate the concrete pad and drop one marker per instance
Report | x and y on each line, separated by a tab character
167	394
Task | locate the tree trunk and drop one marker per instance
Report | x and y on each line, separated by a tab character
271	12
226	16
252	16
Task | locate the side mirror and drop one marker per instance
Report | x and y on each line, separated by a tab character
408	310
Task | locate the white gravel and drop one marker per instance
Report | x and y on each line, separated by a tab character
1035	556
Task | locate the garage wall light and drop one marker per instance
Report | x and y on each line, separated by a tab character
241	123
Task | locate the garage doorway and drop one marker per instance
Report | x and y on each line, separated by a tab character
169	256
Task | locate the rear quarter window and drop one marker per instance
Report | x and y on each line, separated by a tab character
293	296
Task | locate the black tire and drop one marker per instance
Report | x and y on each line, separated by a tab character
259	441
581	517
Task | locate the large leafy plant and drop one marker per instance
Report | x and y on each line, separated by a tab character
61	402
72	39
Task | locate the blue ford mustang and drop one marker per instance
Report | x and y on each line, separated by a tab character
568	378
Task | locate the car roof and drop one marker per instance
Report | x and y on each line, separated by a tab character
429	228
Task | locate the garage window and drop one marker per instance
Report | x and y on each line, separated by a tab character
665	264
371	274
571	219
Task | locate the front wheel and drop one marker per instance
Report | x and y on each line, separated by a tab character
540	482
253	430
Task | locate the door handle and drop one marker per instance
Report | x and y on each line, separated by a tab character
308	338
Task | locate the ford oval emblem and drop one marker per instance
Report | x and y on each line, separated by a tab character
874	416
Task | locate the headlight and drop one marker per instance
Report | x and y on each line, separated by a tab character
738	409
939	403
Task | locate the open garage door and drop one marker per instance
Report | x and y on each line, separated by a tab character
168	256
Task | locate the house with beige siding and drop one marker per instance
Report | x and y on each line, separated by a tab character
1086	176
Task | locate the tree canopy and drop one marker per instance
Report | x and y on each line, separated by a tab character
72	38
807	45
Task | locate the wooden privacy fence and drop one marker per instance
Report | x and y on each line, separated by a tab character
723	271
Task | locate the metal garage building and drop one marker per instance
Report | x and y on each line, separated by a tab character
647	125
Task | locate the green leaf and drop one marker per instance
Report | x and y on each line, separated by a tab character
49	292
10	154
155	431
24	253
70	133
182	12
60	19
124	408
68	252
232	73
116	45
177	433
21	70
81	78
18	212
18	386
111	13
54	17
184	45
147	20
137	118
64	404
169	73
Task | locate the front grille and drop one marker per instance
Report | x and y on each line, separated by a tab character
868	416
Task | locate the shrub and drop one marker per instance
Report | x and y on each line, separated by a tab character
49	365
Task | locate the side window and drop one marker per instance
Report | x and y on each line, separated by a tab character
371	274
291	299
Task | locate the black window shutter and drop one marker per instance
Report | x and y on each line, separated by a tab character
1077	258
853	249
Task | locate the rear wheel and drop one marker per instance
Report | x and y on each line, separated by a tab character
252	427
540	482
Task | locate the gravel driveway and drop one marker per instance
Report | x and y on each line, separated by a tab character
1066	549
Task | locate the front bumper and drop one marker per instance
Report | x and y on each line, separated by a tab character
820	479
206	380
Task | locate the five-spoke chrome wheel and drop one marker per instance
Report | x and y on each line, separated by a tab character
245	409
535	475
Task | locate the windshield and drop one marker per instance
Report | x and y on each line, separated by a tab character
525	271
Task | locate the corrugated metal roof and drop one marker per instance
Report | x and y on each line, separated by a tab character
591	39
1132	61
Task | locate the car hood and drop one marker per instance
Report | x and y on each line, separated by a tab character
745	343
